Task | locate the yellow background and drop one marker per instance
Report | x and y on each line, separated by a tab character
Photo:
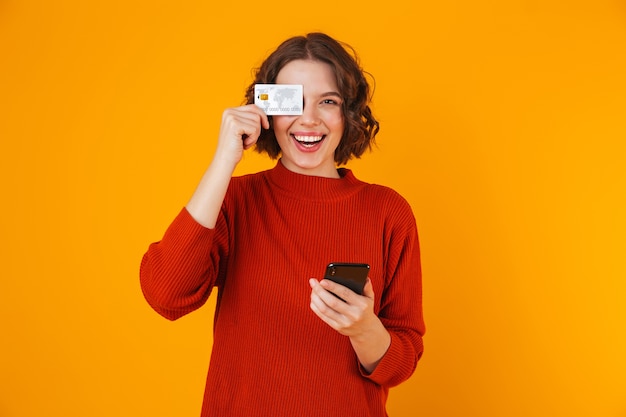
503	124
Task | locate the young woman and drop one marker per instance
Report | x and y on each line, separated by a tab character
285	342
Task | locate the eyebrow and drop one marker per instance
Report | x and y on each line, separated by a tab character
330	93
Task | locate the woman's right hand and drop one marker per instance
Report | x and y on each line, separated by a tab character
240	129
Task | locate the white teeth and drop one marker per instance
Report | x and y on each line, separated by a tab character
308	138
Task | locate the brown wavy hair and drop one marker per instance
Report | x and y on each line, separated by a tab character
360	126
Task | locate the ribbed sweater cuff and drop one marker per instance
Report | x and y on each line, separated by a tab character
392	365
185	226
188	243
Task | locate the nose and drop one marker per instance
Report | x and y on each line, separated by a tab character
310	115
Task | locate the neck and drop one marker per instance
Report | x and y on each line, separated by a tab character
326	171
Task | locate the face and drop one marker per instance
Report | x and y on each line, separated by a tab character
308	141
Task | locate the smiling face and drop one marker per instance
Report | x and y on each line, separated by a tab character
308	141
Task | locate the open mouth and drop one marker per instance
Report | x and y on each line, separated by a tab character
308	141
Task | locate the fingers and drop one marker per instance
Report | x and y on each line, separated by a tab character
346	315
327	307
240	129
244	122
341	291
336	299
253	113
346	293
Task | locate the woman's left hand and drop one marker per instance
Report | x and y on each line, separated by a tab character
352	315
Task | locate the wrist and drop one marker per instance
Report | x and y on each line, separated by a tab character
370	346
224	162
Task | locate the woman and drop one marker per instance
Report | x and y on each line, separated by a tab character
287	344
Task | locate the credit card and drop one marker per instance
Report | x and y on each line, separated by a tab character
279	99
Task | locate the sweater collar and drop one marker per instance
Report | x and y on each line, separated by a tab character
309	187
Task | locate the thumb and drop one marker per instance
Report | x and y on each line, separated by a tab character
368	289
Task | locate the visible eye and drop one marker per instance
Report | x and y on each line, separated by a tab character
329	101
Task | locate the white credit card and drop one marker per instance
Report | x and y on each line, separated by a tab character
279	99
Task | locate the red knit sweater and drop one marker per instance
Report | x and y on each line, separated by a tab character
272	356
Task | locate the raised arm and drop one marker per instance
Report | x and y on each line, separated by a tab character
241	127
178	272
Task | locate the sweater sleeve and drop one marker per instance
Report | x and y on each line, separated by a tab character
178	273
401	302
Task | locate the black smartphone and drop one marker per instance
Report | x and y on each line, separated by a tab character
351	275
